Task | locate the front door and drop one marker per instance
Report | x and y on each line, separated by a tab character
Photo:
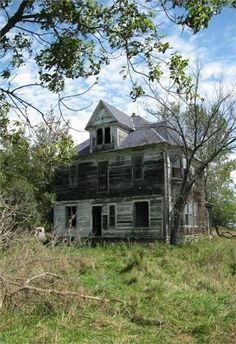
97	220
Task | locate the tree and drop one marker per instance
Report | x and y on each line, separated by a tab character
220	191
28	167
201	131
74	38
52	148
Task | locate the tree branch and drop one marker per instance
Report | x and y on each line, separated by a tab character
16	18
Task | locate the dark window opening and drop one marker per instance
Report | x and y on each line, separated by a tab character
112	215
141	213
103	135
138	167
71	214
97	220
103	176
99	136
107	135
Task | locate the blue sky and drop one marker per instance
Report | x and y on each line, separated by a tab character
215	47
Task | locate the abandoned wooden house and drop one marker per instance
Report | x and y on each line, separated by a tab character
123	181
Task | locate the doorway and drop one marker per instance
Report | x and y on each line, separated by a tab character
97	220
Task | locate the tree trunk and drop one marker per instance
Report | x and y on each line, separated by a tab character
175	227
177	217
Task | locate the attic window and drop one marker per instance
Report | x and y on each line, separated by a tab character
107	135
103	135
99	136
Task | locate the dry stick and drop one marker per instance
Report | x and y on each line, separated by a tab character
49	291
29	280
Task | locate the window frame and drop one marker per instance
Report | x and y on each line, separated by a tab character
191	212
99	176
73	181
137	167
102	137
99	137
109	214
176	171
67	216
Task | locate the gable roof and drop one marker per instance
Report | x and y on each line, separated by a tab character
120	116
117	115
141	132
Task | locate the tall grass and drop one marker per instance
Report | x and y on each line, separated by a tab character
184	294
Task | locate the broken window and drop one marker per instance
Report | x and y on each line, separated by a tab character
71	214
137	167
141	214
112	215
176	167
103	176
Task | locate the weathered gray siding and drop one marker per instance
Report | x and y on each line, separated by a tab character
124	218
121	182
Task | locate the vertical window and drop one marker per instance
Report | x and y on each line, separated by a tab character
141	214
103	176
107	135
112	215
188	214
73	176
176	167
99	136
137	167
195	214
71	214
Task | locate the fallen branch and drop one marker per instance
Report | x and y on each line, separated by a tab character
9	293
225	233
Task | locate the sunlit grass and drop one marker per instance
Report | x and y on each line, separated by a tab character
184	294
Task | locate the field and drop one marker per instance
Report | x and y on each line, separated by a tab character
147	293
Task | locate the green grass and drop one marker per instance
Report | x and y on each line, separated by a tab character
185	294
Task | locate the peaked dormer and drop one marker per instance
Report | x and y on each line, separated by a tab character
108	127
